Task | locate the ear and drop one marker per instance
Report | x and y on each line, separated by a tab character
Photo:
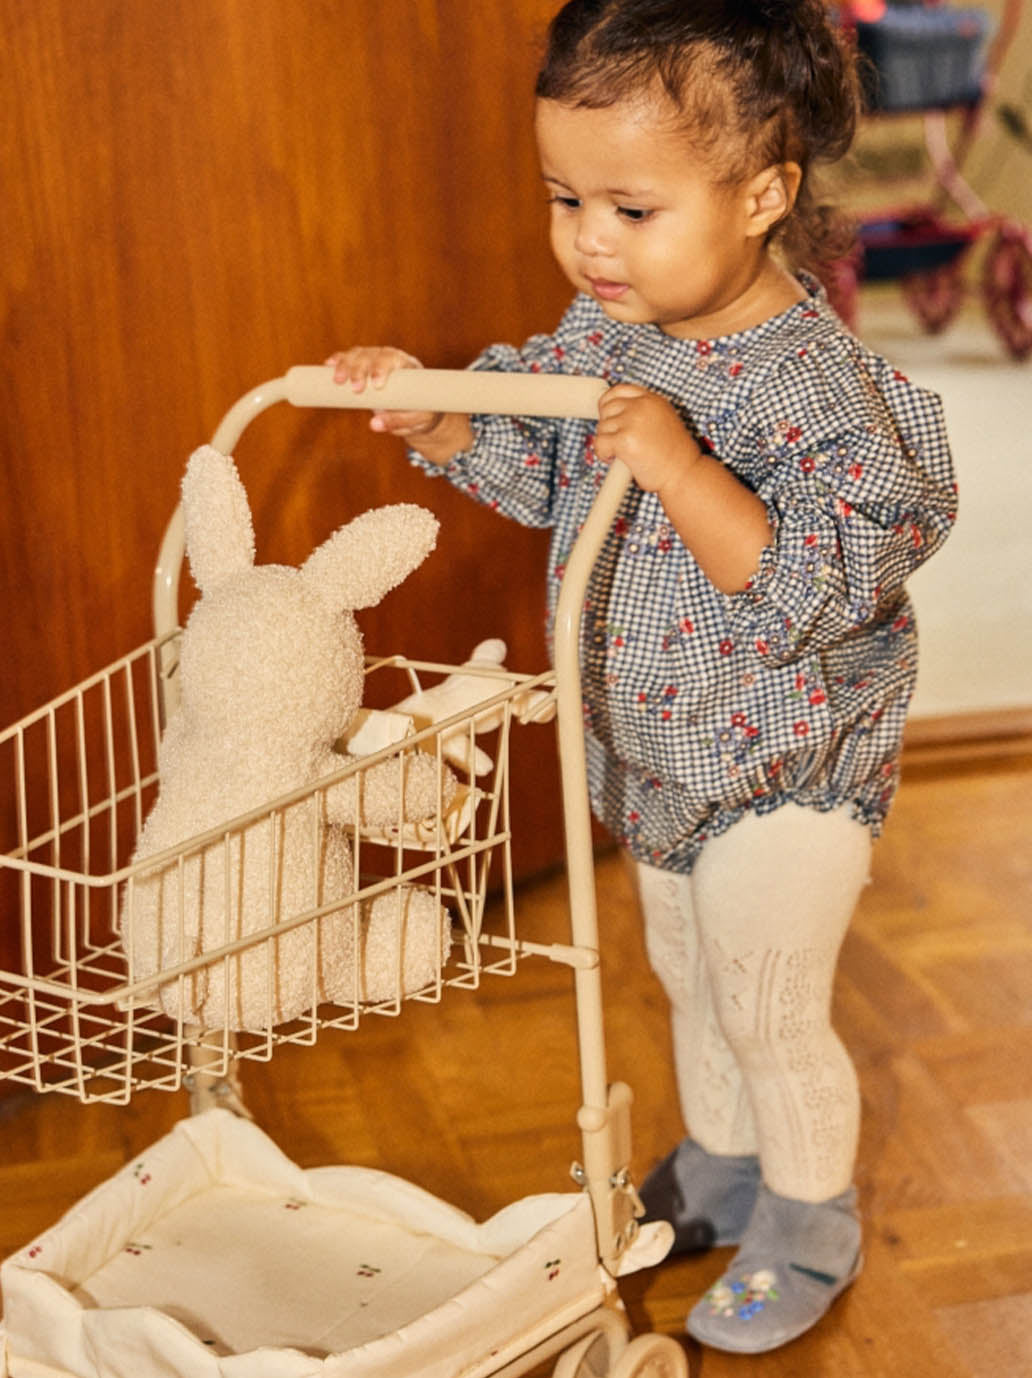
770	196
217	518
368	557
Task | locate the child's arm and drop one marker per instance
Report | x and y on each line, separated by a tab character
720	520
505	462
440	434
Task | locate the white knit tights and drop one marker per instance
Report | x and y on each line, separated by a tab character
746	948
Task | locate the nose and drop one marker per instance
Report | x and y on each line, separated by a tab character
593	236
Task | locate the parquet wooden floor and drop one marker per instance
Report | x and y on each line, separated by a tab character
475	1099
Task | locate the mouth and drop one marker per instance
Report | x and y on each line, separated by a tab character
606	290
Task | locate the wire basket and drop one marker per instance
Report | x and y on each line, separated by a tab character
82	1012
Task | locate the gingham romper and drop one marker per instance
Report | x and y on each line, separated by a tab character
699	704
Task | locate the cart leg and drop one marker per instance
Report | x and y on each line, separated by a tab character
214	1090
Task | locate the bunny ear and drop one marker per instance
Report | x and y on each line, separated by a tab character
217	516
368	557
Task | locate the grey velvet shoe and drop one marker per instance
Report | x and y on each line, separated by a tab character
796	1258
707	1197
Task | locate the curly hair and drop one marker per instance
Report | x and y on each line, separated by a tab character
762	81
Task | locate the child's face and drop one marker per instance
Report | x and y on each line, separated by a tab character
640	224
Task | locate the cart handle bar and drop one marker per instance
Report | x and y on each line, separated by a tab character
504	394
410	389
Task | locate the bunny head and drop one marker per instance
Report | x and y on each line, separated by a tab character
272	653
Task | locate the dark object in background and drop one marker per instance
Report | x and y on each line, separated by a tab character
921	58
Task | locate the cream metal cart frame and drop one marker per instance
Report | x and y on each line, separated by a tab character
74	1019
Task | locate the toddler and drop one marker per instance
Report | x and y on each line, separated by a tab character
749	648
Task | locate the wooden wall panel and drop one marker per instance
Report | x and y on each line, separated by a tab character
198	195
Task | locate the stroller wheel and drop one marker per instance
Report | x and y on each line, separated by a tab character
1007	287
934	296
596	1353
652	1356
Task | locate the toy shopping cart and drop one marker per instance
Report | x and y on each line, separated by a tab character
213	1255
940	62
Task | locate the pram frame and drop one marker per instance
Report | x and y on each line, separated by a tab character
600	1339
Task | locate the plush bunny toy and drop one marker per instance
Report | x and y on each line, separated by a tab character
271	673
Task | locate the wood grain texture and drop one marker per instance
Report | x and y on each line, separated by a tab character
198	196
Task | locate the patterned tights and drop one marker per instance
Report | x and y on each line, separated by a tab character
746	948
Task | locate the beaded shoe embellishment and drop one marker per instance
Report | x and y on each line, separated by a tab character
744	1296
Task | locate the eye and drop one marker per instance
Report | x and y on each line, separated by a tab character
635	214
569	203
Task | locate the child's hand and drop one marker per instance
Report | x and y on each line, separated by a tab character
364	366
645	431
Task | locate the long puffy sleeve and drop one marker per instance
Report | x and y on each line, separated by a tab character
516	463
859	491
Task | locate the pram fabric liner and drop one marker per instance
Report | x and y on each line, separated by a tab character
214	1256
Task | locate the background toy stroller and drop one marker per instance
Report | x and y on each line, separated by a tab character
939	62
138	1269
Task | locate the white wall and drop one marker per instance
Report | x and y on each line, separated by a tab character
974	598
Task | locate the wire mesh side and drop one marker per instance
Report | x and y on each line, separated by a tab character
95	1006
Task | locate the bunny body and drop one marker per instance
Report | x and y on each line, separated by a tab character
271	671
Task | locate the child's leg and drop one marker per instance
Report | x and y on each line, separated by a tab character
707	1186
713	1095
773	898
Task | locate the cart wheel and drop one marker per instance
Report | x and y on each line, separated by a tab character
935	296
1007	287
652	1356
595	1355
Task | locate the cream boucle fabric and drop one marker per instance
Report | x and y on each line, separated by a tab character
271	673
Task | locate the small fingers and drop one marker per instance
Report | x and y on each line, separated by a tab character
363	365
610	421
403	423
606	442
351	366
617	401
624	392
627	390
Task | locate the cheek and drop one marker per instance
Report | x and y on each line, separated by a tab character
561	234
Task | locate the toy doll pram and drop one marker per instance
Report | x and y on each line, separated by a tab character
937	61
212	1255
